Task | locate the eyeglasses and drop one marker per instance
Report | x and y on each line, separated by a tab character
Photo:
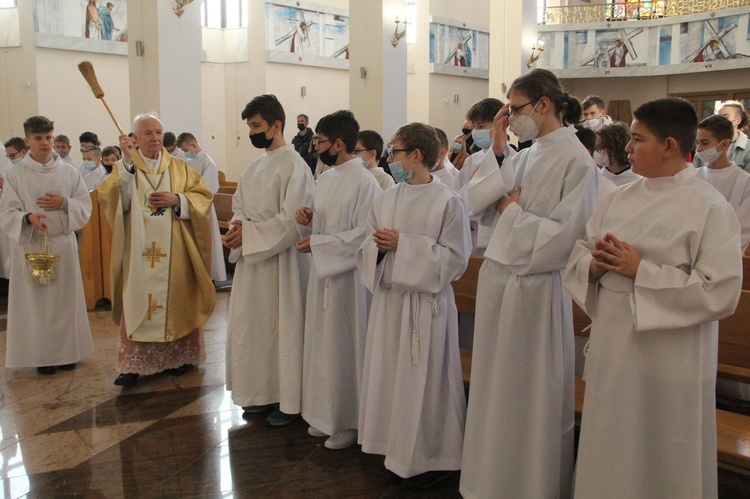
392	152
357	151
315	142
514	110
12	155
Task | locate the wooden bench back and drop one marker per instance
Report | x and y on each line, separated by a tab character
746	272
223	206
465	288
734	331
734	342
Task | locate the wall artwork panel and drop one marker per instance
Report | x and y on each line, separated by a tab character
459	49
313	36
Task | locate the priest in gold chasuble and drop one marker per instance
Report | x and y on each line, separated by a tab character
159	210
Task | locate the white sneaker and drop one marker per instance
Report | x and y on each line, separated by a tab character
314	432
342	440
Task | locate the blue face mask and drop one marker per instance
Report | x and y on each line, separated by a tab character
398	172
457	146
189	155
482	138
89	165
16	161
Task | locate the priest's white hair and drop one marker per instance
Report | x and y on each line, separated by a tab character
145	116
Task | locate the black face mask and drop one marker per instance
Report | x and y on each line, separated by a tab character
260	140
301	126
107	167
327	158
466	131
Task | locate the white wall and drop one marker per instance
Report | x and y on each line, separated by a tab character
66	98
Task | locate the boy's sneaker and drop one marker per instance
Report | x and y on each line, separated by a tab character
342	440
67	367
278	418
46	370
257	409
314	432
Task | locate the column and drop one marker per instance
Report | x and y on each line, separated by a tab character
377	69
166	77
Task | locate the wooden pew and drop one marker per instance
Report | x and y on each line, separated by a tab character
94	253
465	288
223	205
733	430
746	272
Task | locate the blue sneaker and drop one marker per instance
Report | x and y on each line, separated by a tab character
257	409
278	418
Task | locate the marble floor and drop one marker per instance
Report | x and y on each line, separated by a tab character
77	434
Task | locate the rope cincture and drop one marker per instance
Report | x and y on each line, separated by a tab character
415	323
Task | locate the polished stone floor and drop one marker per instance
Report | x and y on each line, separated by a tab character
76	434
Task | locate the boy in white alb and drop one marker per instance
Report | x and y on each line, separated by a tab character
714	137
201	162
413	405
444	169
337	300
369	149
659	265
92	171
48	327
267	307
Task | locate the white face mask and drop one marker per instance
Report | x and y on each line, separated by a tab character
524	126
709	155
482	138
601	158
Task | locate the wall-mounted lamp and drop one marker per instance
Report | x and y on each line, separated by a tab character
396	35
180	8
536	52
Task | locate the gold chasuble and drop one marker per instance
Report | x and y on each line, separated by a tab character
161	264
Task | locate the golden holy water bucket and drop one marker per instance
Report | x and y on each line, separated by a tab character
43	262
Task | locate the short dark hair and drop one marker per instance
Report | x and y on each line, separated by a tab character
613	139
62	138
670	117
340	125
268	107
539	83
110	150
442	137
423	137
37	124
90	137
484	110
17	143
593	100
185	137
720	127
372	141
304	116
169	139
586	136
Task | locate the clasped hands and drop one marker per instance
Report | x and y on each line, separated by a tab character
611	254
233	238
